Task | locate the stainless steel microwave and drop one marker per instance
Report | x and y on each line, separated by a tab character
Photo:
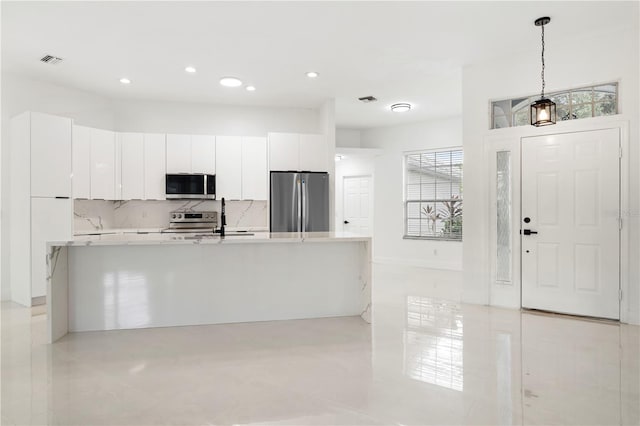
193	186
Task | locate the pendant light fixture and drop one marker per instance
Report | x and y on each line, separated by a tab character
543	111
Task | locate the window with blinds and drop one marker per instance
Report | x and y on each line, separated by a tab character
433	194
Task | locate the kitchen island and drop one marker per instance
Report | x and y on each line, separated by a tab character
127	281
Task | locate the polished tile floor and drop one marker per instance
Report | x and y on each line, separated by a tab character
425	360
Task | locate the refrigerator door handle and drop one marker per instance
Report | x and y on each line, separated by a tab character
299	189
305	206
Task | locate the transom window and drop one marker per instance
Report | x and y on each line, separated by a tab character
584	102
433	194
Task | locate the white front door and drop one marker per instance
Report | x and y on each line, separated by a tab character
571	198
357	200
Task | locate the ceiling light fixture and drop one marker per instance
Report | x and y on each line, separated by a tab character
190	70
401	107
543	111
230	82
251	89
125	80
312	74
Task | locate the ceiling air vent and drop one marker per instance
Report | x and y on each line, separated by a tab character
48	59
367	99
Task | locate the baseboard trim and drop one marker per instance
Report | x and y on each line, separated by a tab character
447	266
40	300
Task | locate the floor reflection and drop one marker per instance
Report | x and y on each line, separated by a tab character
433	342
423	361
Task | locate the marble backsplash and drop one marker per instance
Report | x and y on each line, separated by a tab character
90	215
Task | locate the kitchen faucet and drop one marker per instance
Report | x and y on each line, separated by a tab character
223	219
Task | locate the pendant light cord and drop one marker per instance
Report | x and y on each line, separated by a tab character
542	73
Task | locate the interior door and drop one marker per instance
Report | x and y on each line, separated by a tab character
570	223
357	217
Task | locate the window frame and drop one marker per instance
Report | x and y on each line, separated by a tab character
510	116
406	201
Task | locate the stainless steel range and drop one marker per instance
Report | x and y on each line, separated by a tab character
181	221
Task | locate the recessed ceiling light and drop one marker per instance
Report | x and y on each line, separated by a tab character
190	69
230	82
125	80
251	88
401	107
312	74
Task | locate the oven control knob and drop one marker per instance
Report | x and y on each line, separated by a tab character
179	216
173	216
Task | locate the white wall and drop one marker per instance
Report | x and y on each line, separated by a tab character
389	246
348	138
598	58
21	94
228	120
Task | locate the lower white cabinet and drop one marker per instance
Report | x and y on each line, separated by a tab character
229	167
155	158
255	179
51	220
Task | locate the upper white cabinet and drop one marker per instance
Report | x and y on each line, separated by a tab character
154	166
229	167
203	154
81	162
103	164
254	168
292	151
313	153
131	165
50	155
178	154
284	151
191	154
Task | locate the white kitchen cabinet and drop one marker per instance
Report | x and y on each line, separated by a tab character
229	167
313	153
103	165
284	151
81	162
51	220
132	165
203	154
254	168
178	154
50	155
191	154
155	158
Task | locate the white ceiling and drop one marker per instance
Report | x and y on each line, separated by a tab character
397	51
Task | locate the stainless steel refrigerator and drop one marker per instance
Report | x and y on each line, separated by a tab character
299	202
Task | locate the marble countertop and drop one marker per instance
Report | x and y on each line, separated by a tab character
156	238
111	231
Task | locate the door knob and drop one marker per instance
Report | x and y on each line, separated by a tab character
528	232
346	221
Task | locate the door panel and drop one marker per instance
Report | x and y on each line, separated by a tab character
316	202
357	204
571	194
284	201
